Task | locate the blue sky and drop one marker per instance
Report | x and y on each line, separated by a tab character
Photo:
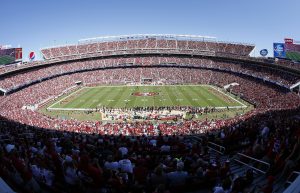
34	24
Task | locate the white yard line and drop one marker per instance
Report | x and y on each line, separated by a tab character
243	105
70	109
88	109
168	95
144	85
66	97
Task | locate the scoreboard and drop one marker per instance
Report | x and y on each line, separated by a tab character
10	55
290	49
18	54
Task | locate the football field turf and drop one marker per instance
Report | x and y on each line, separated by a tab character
90	98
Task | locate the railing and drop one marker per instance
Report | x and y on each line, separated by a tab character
292	177
293	185
255	164
5	138
26	135
212	146
197	138
4	187
217	148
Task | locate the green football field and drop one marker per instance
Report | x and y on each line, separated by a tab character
89	98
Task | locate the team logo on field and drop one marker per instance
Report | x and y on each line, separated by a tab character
145	93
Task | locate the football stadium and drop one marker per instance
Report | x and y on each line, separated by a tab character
150	113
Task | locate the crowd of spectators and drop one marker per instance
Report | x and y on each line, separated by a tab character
41	160
146	44
98	156
270	137
265	97
289	64
283	78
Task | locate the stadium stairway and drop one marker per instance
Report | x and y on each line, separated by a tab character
239	169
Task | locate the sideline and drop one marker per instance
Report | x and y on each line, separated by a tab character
92	109
243	105
66	97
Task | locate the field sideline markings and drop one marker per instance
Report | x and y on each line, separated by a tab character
84	109
146	85
243	105
89	109
169	97
51	106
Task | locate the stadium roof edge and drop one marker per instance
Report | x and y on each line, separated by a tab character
149	35
137	36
